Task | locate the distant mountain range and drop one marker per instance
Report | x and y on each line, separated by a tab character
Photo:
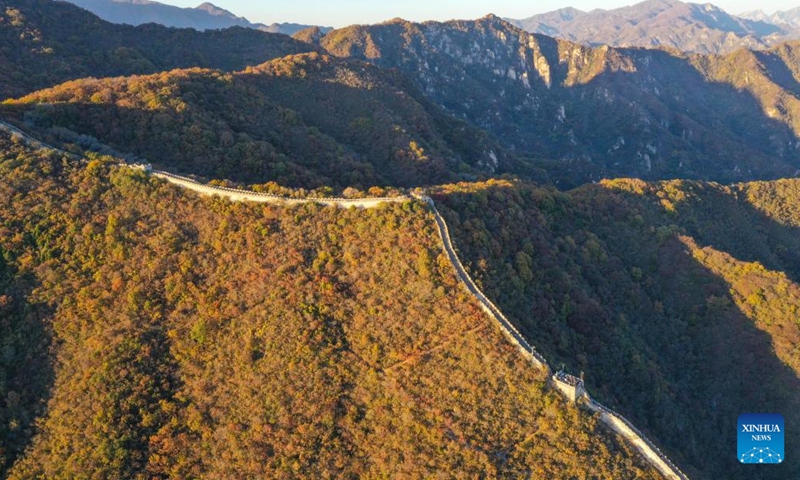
789	17
577	112
205	16
689	27
43	43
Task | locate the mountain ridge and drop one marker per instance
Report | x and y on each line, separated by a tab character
45	42
308	120
561	101
789	17
146	331
203	17
579	113
689	27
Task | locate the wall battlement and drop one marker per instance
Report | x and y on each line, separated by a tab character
570	386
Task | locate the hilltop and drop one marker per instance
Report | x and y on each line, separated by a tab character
305	121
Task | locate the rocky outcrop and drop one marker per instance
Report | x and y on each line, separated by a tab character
591	112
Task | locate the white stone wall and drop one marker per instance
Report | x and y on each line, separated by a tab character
615	421
238	195
625	428
505	325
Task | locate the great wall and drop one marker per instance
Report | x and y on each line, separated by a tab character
569	386
238	195
616	422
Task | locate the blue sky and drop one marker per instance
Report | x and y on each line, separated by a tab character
338	13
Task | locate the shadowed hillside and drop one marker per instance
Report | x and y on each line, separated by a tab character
303	121
147	332
679	300
582	113
599	112
45	42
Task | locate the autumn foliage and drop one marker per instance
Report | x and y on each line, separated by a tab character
679	300
186	337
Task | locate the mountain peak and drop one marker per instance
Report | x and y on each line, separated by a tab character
754	14
493	19
213	9
311	35
790	18
659	3
568	13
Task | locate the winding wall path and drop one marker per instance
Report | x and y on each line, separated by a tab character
234	194
613	420
33	142
238	195
616	422
624	427
488	306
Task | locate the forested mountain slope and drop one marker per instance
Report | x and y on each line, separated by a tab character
45	42
680	300
599	112
307	121
583	113
148	332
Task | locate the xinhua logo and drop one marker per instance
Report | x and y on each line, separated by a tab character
760	438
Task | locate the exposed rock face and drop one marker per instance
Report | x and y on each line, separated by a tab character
600	111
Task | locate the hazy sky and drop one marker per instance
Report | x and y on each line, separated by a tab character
338	13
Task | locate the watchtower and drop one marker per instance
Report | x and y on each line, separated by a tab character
570	385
